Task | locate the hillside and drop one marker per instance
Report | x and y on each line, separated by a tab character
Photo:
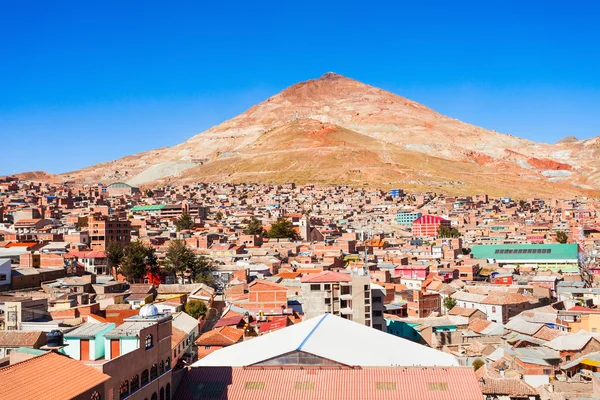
398	141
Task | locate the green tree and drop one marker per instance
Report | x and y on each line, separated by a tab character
219	216
180	259
282	229
562	237
203	271
185	221
254	227
478	363
449	303
196	308
114	253
445	232
137	256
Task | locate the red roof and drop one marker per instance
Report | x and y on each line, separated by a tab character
228	321
48	376
584	309
276	323
326	276
429	219
398	383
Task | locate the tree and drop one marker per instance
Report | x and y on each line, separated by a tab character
449	303
219	216
282	229
137	256
202	271
254	227
561	237
445	232
114	253
196	308
185	221
180	259
478	363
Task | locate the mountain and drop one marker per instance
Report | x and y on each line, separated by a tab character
338	130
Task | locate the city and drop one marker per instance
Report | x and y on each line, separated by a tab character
153	292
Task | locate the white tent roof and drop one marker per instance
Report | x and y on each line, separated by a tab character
334	338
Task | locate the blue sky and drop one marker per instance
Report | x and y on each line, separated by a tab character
83	82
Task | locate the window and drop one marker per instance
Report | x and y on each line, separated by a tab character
327	286
124	389
547	372
377	313
161	368
154	396
315	288
145	377
2	277
153	372
135	383
95	396
327	300
162	394
168	364
206	347
493	308
148	342
568	358
168	392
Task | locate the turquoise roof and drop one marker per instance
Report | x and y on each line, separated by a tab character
149	208
526	252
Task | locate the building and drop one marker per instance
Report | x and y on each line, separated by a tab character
52	375
5	274
407	218
424	304
103	229
327	340
136	356
217	339
121	189
11	340
426	226
350	297
553	257
22	309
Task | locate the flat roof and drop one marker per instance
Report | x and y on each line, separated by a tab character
527	252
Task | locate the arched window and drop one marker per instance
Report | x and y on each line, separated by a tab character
124	389
168	392
148	342
162	394
145	377
168	363
153	372
154	397
135	383
161	369
95	396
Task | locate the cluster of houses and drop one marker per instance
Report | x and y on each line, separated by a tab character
492	297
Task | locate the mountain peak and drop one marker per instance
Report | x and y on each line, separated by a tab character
568	139
331	76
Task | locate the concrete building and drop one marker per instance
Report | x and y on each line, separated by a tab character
350	297
407	218
104	229
5	273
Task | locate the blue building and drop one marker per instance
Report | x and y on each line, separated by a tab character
396	192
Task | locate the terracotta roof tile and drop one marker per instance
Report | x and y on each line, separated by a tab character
20	338
224	336
50	375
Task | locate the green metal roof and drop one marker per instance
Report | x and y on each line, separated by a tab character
149	208
526	252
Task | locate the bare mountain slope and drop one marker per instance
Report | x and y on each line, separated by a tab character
408	129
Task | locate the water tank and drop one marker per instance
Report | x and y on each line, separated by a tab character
55	338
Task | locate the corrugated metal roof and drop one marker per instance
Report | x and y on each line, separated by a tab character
399	383
149	208
530	252
335	339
